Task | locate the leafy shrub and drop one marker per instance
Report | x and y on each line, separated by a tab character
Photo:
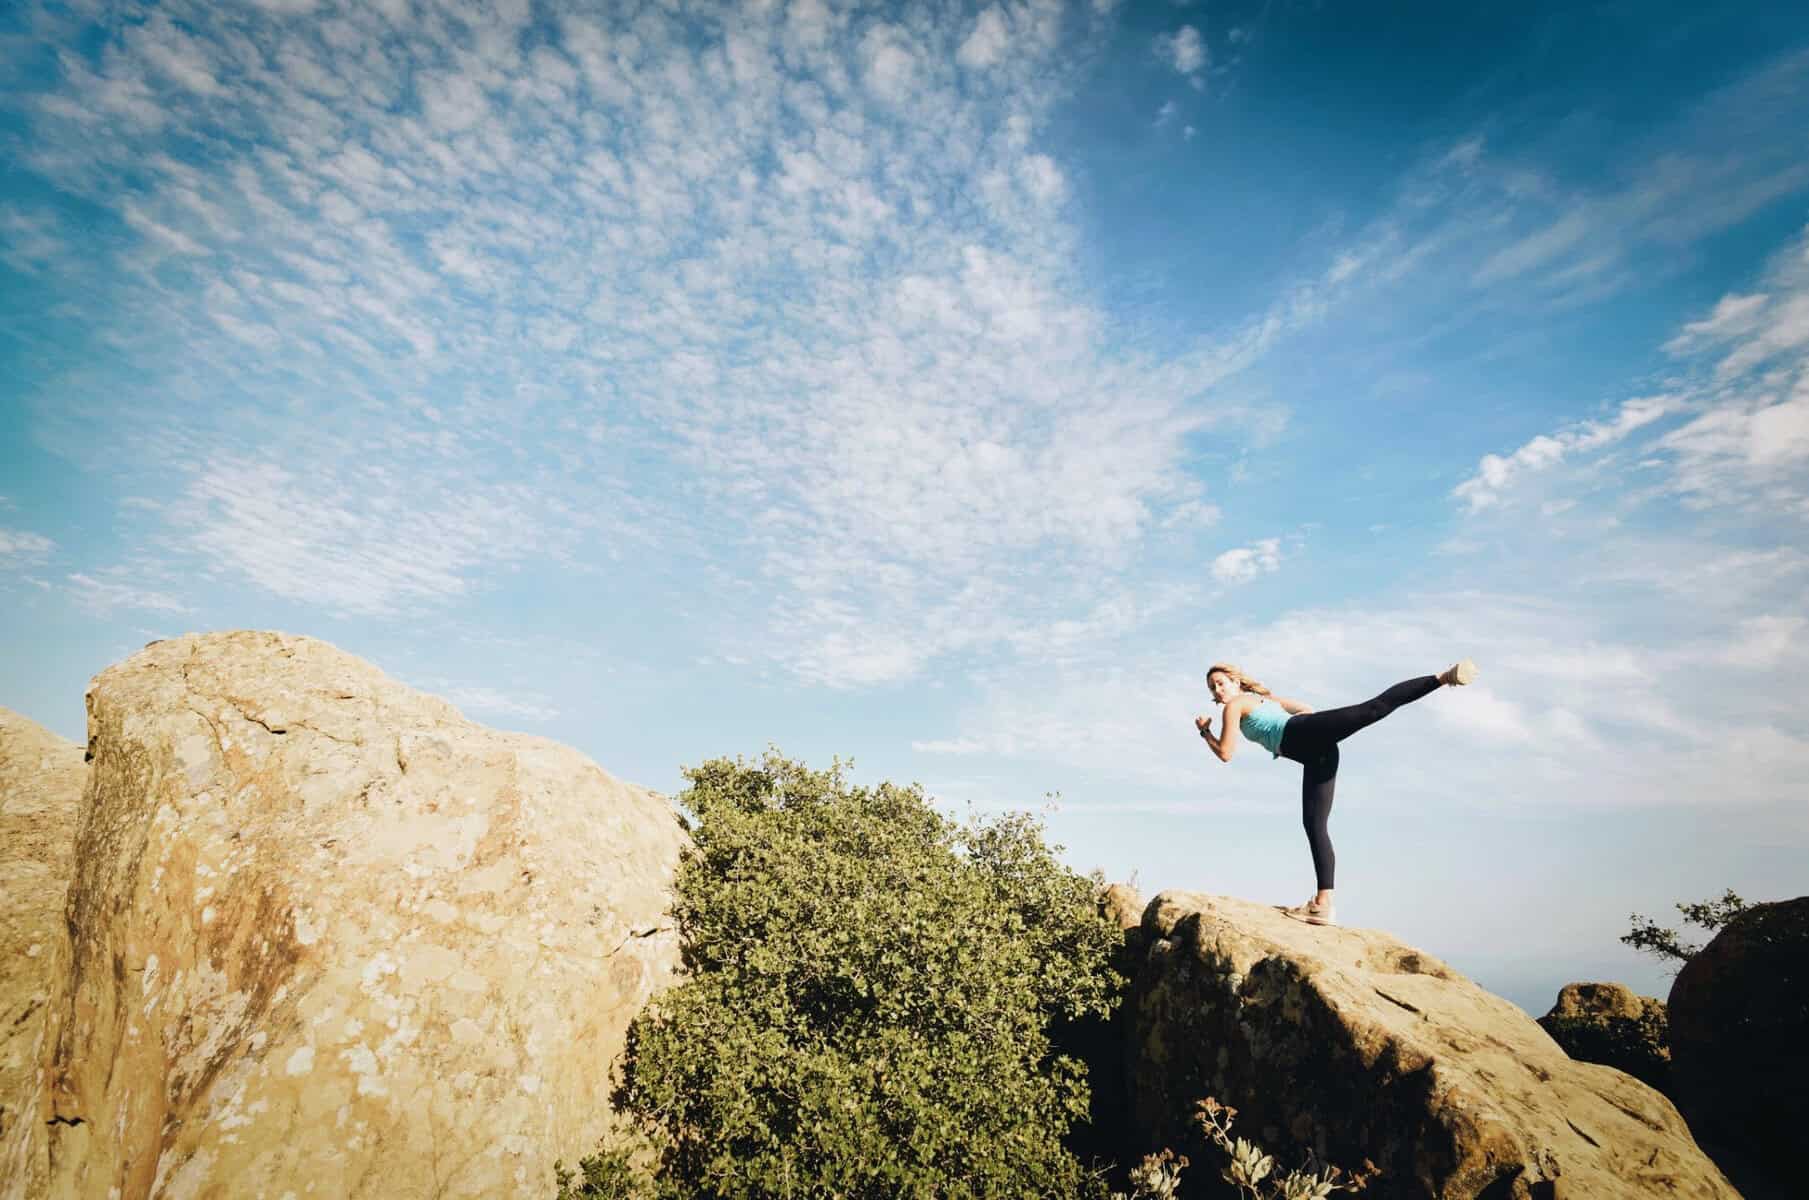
610	1174
868	996
1646	934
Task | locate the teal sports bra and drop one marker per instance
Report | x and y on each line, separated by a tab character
1263	725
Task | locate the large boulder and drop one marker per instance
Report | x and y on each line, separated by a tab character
1352	1045
330	938
1740	1036
1120	904
1612	1025
40	797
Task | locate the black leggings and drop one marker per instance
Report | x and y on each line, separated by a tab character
1311	740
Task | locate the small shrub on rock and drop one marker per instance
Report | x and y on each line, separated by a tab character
1649	936
1252	1170
868	997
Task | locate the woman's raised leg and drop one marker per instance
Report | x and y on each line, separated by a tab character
1333	725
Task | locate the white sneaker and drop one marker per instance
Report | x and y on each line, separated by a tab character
1312	914
1462	672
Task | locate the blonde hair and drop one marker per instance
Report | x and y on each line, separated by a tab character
1237	676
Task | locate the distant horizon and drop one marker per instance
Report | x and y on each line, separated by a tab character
946	386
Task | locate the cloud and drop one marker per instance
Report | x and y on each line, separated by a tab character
1749	442
102	596
1755	329
1184	50
785	294
890	62
1247	562
29	241
481	699
348	540
176	56
949	746
1497	474
1766	641
1538	248
988	42
1746	451
1520	235
20	548
1733	316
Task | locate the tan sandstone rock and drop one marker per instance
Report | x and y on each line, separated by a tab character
332	939
1120	904
40	797
1347	1042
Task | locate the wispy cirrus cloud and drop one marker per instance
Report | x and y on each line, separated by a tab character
22	548
1497	473
493	702
1748	445
807	268
113	590
1744	397
1491	222
1729	157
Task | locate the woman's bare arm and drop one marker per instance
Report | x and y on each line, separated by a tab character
1293	708
1226	741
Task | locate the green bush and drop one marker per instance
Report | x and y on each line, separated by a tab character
868	997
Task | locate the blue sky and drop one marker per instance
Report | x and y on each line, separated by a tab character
945	387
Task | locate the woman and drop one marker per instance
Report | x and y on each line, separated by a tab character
1289	729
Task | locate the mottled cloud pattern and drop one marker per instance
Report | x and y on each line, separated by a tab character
415	292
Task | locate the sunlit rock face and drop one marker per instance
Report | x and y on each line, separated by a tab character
328	937
40	797
1348	1043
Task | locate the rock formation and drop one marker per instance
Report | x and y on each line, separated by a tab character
40	795
1740	1037
1608	1024
331	938
1350	1044
1120	904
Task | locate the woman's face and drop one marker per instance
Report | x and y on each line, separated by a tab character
1222	687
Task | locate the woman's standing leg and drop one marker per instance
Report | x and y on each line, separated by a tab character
1335	724
1318	780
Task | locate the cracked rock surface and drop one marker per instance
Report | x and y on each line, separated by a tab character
1352	1044
40	797
329	937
